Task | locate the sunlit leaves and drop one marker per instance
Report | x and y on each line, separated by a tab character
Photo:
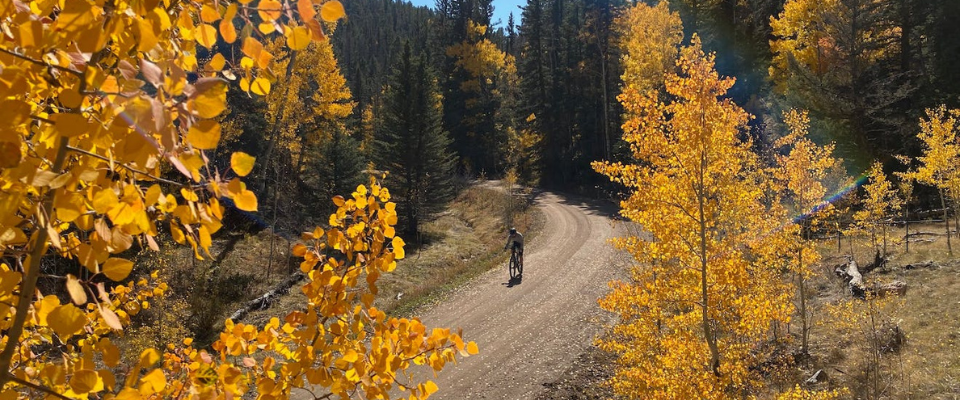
242	163
331	11
206	35
260	86
204	135
77	293
269	10
117	269
66	320
210	98
109	114
297	39
245	200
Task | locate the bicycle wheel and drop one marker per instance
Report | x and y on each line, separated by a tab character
514	266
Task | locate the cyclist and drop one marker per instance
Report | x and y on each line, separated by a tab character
515	241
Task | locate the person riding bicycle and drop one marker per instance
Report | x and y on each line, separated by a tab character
515	241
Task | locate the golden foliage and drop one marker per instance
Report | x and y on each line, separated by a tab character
798	393
100	99
481	59
649	38
700	304
826	37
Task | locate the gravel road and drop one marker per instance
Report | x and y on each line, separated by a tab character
530	333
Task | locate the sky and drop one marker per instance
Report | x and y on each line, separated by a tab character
501	9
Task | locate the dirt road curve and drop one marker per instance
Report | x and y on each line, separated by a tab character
529	333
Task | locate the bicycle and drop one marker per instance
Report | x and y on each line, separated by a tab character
516	264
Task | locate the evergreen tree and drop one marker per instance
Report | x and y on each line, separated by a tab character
412	145
338	167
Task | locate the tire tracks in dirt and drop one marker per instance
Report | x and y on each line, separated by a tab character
530	333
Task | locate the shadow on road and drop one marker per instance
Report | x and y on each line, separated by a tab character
513	282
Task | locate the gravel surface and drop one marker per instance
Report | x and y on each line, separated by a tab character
532	333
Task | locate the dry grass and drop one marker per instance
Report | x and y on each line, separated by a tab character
203	292
464	242
928	365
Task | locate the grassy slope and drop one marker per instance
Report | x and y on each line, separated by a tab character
928	365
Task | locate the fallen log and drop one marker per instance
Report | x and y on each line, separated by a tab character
850	273
924	264
267	299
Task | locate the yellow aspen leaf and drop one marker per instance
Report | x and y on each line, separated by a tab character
75	288
350	356
338	201
66	320
110	352
472	348
244	82
204	135
70	98
228	31
206	35
230	12
107	380
430	388
71	124
205	241
260	86
306	10
76	16
84	381
69	206
299	250
210	98
111	318
269	10
245	200
398	252
189	195
154	382
263	60
251	47
104	200
331	11
128	393
298	38
216	63
266	28
149	357
316	31
117	269
87	257
242	163
209	13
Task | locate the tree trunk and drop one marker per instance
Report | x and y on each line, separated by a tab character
906	227
946	220
708	333
839	244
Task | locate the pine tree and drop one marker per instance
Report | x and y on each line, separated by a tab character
412	144
338	167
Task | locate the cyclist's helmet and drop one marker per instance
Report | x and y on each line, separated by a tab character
513	231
